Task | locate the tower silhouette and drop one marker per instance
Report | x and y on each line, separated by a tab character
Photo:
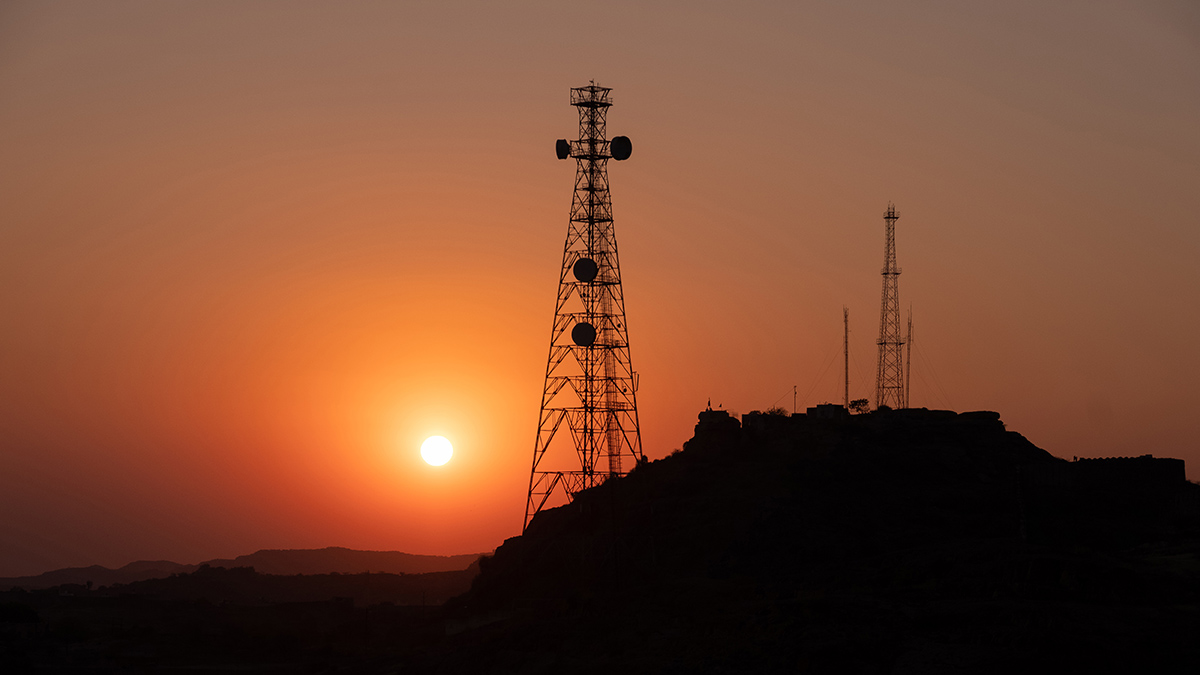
889	377
590	383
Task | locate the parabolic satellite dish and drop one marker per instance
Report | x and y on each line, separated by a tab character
585	269
620	147
583	334
562	148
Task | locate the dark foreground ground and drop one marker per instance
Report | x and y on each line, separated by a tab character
895	542
217	619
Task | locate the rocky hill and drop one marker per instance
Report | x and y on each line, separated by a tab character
897	541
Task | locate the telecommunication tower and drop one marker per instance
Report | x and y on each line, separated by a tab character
590	383
889	378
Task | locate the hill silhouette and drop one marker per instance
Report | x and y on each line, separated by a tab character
98	575
897	541
337	560
330	560
908	541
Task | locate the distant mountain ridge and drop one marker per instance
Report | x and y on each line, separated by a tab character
329	560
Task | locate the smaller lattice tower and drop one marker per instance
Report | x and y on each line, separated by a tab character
590	382
889	377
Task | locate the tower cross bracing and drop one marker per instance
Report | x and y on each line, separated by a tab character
889	378
588	424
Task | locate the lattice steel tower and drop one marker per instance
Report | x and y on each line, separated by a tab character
590	383
889	378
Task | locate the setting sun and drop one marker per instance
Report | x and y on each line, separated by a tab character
436	450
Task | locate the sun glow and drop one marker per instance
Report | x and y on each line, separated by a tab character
436	450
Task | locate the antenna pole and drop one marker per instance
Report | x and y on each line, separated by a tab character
846	353
908	361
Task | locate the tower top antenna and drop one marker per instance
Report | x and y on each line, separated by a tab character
591	96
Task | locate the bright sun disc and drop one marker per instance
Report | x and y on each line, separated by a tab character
436	450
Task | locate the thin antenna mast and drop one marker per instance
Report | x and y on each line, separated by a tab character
908	362
846	353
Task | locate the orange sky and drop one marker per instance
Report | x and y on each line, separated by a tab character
251	254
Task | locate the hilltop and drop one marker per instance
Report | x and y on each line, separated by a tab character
896	541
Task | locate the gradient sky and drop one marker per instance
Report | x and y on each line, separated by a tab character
253	253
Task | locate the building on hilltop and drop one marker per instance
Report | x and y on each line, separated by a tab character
716	420
828	411
1146	471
